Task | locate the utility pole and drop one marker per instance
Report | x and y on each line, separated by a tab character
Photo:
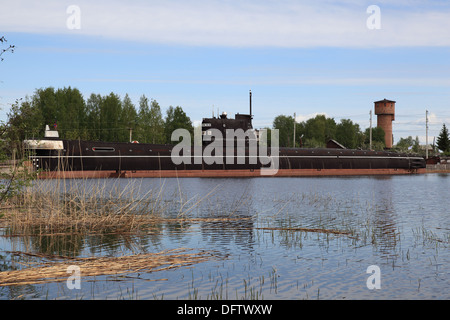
370	135
294	129
426	139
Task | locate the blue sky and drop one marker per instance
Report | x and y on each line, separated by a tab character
303	57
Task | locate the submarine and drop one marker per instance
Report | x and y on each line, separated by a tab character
224	147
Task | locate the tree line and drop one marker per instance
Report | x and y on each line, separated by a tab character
316	132
105	118
443	140
442	143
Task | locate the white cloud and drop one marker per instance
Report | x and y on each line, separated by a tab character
304	117
238	23
417	126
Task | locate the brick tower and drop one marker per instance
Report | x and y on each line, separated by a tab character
385	111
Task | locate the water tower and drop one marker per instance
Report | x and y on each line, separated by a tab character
385	111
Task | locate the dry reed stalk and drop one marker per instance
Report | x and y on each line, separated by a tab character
99	266
83	207
317	230
91	206
136	226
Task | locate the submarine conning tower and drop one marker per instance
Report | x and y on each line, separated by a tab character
385	111
222	122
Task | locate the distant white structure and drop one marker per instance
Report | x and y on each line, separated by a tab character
51	133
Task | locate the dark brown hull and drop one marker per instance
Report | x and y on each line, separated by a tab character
101	159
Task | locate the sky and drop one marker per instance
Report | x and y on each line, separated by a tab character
297	57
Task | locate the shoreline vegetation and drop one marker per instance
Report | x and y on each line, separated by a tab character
87	207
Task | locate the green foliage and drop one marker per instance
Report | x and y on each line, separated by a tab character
318	130
349	134
405	144
24	122
71	112
106	118
378	142
176	118
93	125
110	111
416	146
127	118
150	123
443	140
265	137
14	178
15	175
409	145
315	132
313	143
285	126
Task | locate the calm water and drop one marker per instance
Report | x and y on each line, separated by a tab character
401	224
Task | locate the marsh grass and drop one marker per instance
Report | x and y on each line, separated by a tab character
430	237
57	215
82	206
85	206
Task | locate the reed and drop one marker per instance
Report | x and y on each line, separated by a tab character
82	207
96	206
56	271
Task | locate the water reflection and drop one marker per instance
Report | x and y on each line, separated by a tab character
385	233
229	234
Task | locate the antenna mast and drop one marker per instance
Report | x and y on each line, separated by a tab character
294	130
426	141
251	117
